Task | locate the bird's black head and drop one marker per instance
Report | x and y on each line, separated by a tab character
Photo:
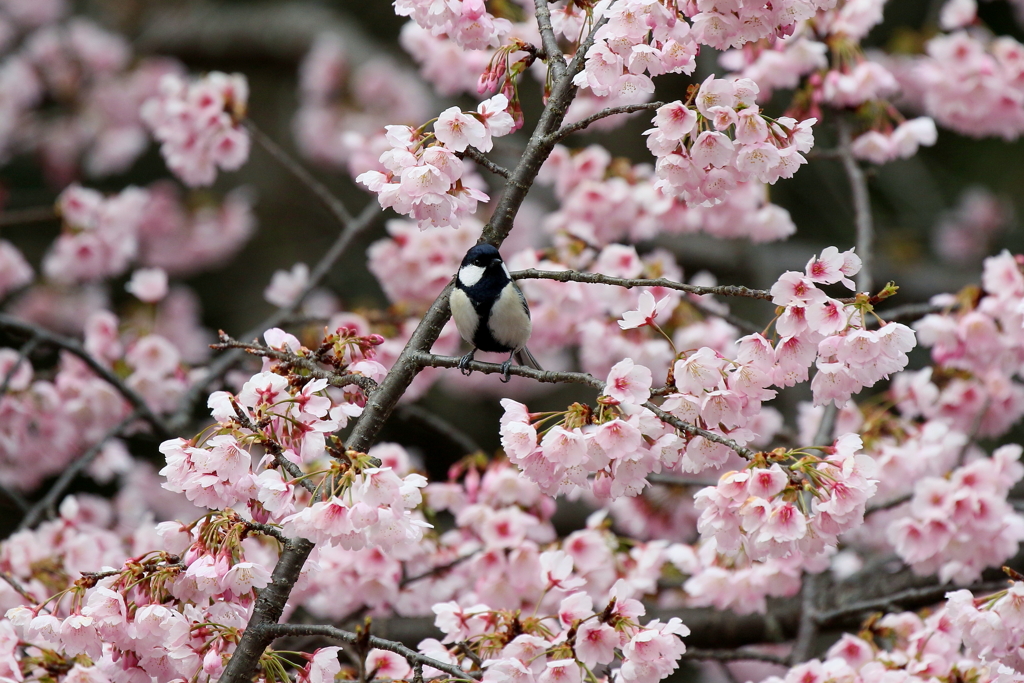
482	268
482	255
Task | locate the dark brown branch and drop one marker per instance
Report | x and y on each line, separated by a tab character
74	347
909	312
35	214
913	597
275	449
629	283
410	655
552	53
335	379
48	503
16	585
270	605
552	377
478	157
571	128
889	504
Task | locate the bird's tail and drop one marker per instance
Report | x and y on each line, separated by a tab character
524	357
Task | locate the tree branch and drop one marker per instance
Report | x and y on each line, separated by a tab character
737	655
224	362
411	656
629	283
75	348
300	172
568	129
335	379
441	426
861	207
478	157
808	619
552	377
379	406
553	53
908	598
434	571
49	502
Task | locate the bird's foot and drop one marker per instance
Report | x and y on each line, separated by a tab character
506	371
464	363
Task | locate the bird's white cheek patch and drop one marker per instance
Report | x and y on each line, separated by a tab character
465	315
505	268
510	324
470	275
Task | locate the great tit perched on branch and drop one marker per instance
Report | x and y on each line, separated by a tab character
490	311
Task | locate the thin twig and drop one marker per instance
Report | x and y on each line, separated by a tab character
908	312
441	426
889	504
411	656
300	172
478	157
35	214
909	598
734	320
738	655
629	283
676	480
276	450
74	347
571	128
861	207
335	379
23	353
434	571
224	362
808	629
16	585
48	503
553	377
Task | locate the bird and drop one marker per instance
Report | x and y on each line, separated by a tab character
490	311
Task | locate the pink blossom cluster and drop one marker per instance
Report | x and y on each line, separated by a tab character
973	84
597	635
990	626
183	236
698	159
152	617
962	524
849	356
467	23
89	73
902	142
600	204
760	512
426	259
919	649
640	40
343	106
198	124
423	178
451	69
48	422
723	25
985	342
100	236
780	64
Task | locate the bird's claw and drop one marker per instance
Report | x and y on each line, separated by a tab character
506	371
464	364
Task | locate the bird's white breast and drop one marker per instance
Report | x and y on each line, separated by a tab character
466	318
470	275
509	322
